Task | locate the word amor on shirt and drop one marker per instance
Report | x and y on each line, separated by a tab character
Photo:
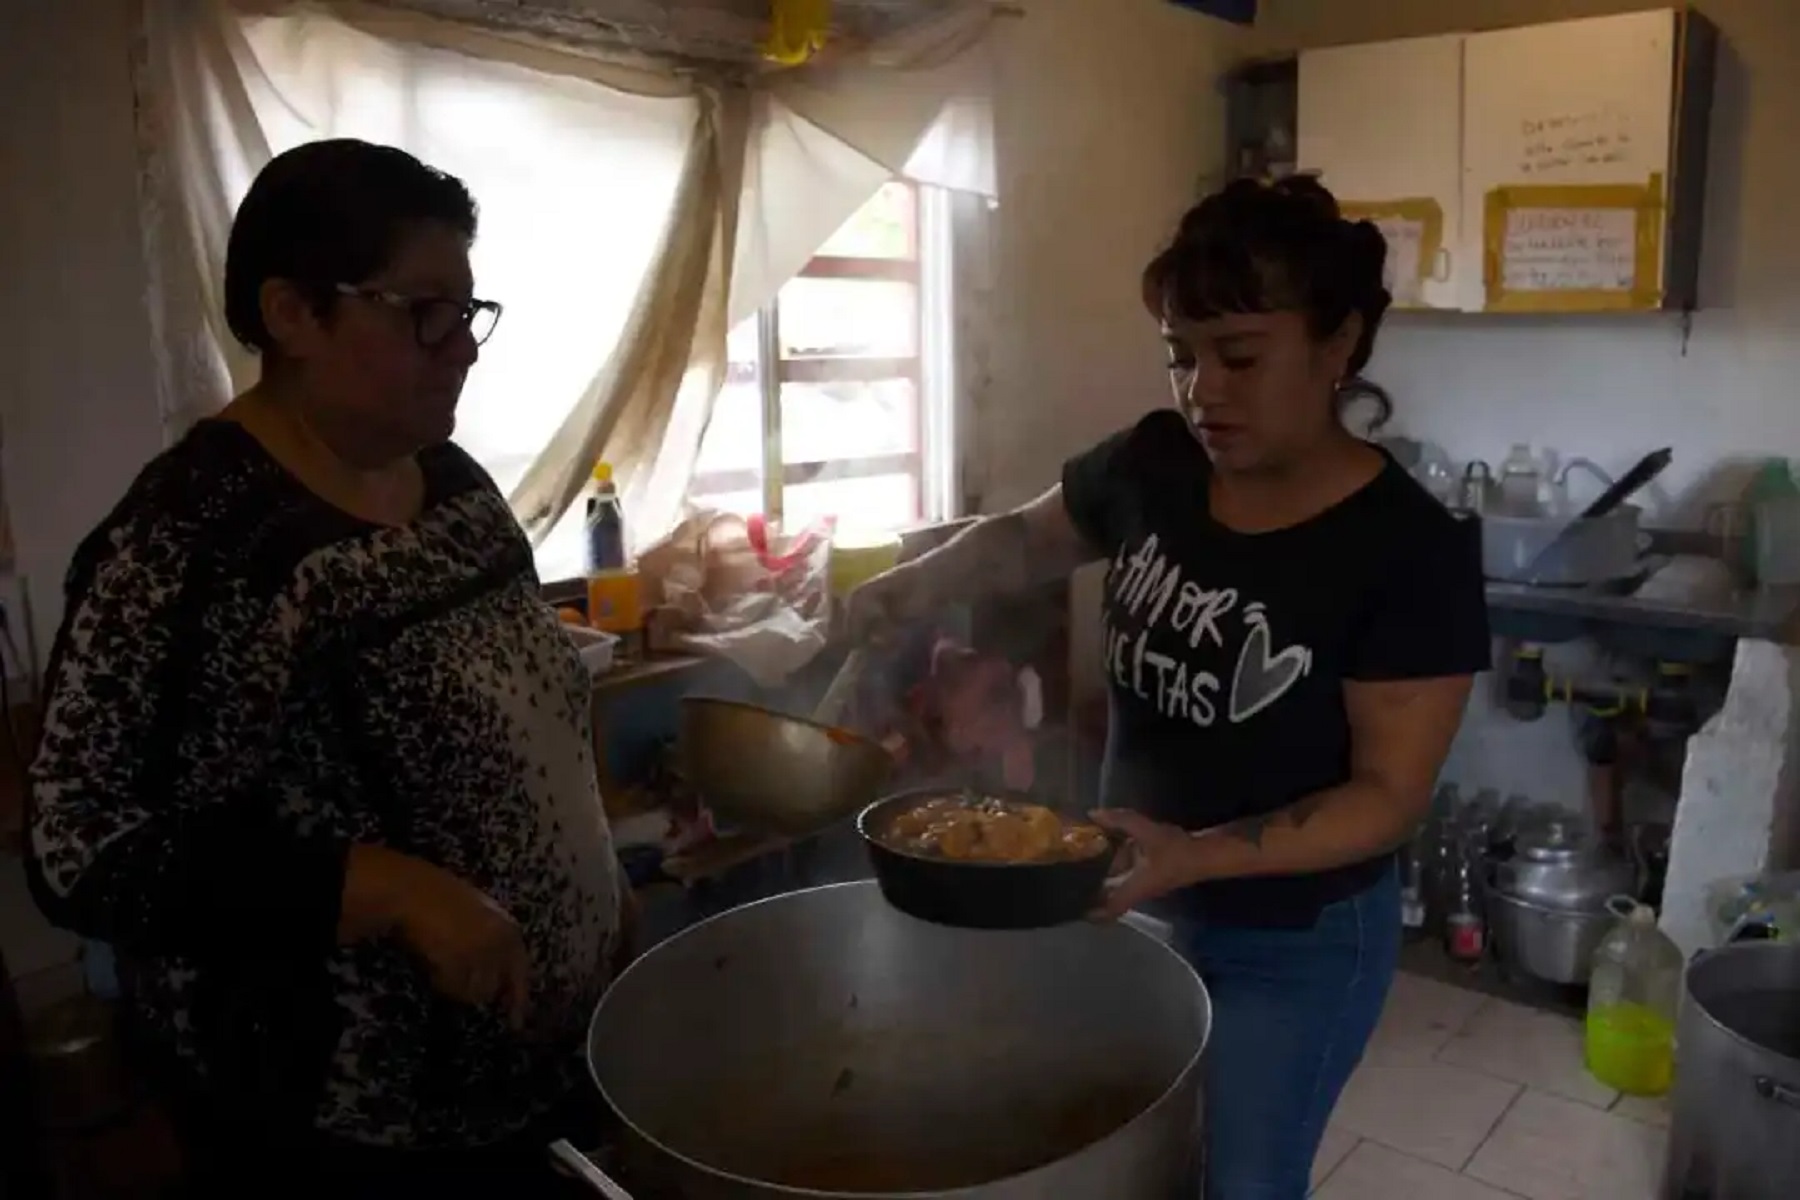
1147	595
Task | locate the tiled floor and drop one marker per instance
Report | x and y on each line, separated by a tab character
1467	1097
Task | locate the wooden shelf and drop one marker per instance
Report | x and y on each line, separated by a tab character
653	669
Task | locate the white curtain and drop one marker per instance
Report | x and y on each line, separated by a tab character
627	219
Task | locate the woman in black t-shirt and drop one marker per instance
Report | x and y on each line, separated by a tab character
1290	629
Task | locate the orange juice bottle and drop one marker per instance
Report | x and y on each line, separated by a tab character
615	601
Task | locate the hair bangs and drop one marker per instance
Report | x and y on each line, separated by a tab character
1218	276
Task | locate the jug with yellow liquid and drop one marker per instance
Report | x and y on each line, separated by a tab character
1632	1001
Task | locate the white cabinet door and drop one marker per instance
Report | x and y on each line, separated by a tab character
1382	126
1573	103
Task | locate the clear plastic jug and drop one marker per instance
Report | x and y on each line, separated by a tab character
1633	998
1520	477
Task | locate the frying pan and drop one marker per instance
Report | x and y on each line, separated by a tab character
980	895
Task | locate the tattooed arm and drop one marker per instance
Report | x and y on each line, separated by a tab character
1400	734
1032	544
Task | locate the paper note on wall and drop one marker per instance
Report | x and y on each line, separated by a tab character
1574	248
1414	230
1405	257
1570	250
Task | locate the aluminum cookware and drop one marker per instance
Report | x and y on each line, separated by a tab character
770	772
1735	1134
824	1044
1548	904
1560	864
1560	552
1551	944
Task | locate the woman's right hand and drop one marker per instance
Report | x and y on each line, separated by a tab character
890	600
471	946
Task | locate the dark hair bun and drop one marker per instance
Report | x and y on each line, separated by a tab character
1255	246
1369	245
1308	191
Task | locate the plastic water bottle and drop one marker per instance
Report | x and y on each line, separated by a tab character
605	524
1772	485
1520	476
1633	998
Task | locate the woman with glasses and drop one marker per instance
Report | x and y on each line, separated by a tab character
316	757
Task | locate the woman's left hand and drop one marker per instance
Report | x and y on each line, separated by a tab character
1164	861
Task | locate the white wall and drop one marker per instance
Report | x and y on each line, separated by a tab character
77	411
1612	388
1108	115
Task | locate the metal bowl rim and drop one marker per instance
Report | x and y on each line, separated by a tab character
969	1193
839	735
1728	952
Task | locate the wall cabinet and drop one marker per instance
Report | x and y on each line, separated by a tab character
1382	125
1551	168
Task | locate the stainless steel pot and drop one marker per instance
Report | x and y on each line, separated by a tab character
822	1044
1560	864
1596	550
1547	943
1736	1128
1548	905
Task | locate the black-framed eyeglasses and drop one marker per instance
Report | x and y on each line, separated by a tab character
436	319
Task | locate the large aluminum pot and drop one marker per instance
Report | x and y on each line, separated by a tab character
1597	549
823	1044
1551	904
1736	1129
1553	944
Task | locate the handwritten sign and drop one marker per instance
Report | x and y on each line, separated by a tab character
1574	247
1570	250
1414	230
1556	145
1401	272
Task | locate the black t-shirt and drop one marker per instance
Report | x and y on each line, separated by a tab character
1226	653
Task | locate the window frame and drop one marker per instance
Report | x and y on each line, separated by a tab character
774	370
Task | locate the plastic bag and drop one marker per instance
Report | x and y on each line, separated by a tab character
732	587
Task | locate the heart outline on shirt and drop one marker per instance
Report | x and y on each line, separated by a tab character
1262	678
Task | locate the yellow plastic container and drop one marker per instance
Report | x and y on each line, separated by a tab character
1633	997
856	560
1631	1049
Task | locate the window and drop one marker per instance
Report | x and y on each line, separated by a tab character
833	404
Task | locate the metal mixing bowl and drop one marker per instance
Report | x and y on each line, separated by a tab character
774	773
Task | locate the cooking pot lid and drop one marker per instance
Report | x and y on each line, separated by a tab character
1554	842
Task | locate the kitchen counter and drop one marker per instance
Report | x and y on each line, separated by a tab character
1754	613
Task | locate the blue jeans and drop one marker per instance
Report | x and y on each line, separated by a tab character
1292	1011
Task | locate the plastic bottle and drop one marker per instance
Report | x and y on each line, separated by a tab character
1520	478
615	603
1633	998
605	524
1772	482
